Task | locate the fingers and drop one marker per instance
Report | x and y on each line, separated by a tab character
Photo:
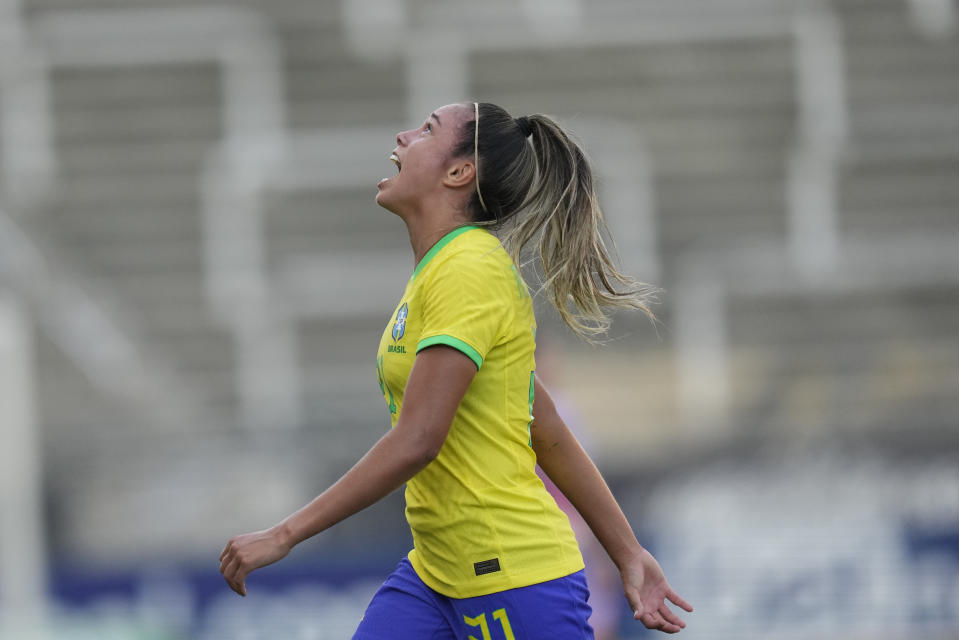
232	574
661	618
677	600
654	620
225	559
238	587
231	568
671	618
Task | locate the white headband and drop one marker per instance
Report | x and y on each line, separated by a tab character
476	154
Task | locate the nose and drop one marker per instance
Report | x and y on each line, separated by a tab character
401	137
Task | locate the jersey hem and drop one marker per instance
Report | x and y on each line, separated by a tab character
503	583
456	343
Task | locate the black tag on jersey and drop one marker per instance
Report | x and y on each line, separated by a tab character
486	566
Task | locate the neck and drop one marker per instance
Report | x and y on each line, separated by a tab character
424	233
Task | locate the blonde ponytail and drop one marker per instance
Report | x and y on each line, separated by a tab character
541	189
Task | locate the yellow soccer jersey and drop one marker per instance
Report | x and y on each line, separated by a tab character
482	520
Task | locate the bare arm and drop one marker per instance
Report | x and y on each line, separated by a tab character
437	383
566	463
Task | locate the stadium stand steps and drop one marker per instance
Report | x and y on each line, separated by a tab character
329	87
308	223
904	124
893	194
866	356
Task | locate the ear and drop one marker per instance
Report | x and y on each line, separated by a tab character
460	173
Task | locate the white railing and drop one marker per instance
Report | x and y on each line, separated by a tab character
28	157
243	46
23	561
102	338
258	151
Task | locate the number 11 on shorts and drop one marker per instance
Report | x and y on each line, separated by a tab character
480	621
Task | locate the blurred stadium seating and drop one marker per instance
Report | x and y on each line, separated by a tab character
187	218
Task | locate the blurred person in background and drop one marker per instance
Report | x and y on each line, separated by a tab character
605	588
493	554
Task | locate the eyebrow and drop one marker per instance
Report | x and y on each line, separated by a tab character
433	115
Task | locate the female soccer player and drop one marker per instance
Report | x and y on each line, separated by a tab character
493	555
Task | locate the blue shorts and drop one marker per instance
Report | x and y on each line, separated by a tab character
405	608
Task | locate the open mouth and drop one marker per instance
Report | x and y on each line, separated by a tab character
396	160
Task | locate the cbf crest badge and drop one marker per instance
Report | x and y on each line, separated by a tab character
399	326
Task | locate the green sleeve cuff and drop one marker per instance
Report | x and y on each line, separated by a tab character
456	343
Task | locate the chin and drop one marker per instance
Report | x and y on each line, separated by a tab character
384	201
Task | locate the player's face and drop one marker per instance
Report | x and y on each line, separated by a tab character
422	157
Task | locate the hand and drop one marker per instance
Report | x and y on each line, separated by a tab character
647	591
247	552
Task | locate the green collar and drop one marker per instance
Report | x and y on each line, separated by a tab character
436	248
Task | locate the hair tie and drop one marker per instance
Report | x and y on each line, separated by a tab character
525	126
